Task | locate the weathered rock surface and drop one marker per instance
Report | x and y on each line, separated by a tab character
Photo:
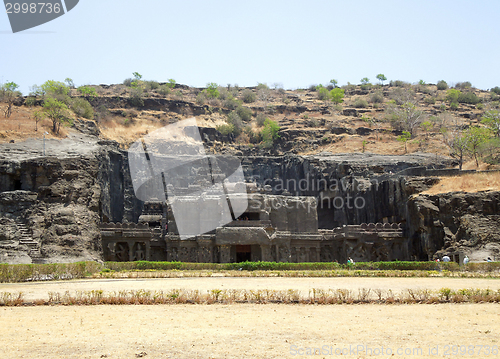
57	201
450	222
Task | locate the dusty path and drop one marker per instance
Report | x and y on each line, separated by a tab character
40	290
247	331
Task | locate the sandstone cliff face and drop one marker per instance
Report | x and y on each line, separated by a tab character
57	201
450	222
51	206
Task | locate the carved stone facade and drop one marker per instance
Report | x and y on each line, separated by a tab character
273	228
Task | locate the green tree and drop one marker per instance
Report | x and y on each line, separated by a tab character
136	82
365	81
70	83
212	90
491	118
38	116
334	82
8	94
427	127
56	111
405	137
452	95
270	132
476	137
88	92
171	83
381	78
54	89
337	95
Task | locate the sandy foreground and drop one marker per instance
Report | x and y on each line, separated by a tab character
251	330
248	331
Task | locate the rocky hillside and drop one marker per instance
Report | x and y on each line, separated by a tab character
310	121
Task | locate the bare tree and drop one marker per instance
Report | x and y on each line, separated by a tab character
406	117
456	140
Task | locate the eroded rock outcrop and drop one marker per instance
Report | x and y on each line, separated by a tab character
450	222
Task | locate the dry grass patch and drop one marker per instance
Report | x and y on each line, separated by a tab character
21	125
470	183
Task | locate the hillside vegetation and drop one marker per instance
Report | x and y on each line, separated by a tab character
394	118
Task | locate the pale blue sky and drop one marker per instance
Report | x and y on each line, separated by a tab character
296	43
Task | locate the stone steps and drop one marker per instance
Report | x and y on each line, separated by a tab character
27	240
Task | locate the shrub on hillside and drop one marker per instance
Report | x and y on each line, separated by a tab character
313	87
235	120
496	90
468	97
399	83
377	97
463	85
430	100
231	103
248	96
30	101
101	113
82	108
452	95
442	85
128	82
323	94
270	132
135	98
226	129
402	95
349	87
261	118
360	103
151	85
164	90
245	113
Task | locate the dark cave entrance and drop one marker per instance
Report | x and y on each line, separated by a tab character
17	185
243	253
326	215
249	216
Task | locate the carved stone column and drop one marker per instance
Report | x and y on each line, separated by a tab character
266	253
225	254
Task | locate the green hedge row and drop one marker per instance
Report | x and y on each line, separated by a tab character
13	273
40	272
252	266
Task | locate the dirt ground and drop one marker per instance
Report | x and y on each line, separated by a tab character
40	290
250	330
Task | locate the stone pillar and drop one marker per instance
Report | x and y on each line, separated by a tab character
225	254
205	250
266	253
130	251
283	253
111	251
148	250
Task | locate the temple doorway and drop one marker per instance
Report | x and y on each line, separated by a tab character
243	253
